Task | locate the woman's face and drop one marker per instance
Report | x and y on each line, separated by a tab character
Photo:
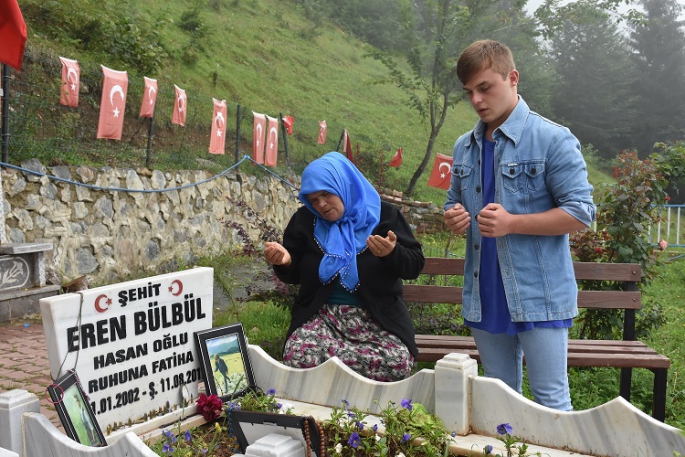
328	205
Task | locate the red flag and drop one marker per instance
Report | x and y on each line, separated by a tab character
258	137
396	161
347	146
218	139
322	132
271	156
13	34
180	107
441	176
71	78
147	107
288	121
112	104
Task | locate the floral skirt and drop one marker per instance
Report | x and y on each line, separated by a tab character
352	335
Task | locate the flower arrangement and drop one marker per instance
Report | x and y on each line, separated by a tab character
409	431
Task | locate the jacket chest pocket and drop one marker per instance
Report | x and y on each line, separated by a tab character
464	174
522	176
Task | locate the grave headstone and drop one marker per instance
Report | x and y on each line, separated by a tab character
132	344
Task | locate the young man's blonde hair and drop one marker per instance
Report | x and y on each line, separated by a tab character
484	54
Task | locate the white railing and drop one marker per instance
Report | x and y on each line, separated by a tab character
670	226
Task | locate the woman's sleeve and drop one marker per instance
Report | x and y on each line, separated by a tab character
294	241
407	259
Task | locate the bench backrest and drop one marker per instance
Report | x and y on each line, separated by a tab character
630	274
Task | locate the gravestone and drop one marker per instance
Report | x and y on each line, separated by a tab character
132	344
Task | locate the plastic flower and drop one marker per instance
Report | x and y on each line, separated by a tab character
209	406
487	449
354	440
406	437
505	428
407	404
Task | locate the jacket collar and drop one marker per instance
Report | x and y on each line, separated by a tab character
512	128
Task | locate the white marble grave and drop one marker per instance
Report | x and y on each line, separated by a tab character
132	344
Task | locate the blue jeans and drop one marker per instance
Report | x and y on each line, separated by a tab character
545	350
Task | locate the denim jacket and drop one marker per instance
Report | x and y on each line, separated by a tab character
538	166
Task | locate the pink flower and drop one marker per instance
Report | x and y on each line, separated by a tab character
663	244
209	406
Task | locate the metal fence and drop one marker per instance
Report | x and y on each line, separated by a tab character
670	227
39	127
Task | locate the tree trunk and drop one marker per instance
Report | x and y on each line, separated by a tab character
424	163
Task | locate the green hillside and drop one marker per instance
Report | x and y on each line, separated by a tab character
262	54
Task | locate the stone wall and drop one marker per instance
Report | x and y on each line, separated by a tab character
144	221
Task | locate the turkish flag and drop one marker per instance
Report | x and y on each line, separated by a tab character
147	107
396	160
180	107
441	176
13	34
71	77
347	146
112	104
218	139
258	137
288	121
271	156
323	128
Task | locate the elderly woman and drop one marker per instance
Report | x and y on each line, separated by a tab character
349	252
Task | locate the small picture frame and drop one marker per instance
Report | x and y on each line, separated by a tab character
225	361
249	426
75	413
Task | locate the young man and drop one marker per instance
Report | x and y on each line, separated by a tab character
519	187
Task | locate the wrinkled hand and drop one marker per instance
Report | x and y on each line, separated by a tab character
276	254
382	246
493	221
457	219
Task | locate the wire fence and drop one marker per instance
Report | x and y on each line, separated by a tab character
40	127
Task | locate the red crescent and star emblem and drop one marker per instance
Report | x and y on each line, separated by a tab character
179	285
98	306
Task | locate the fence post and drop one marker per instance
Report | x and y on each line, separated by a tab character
150	137
237	134
284	134
5	111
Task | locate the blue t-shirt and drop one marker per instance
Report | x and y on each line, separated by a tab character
495	311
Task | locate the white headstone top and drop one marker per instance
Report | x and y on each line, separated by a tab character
132	344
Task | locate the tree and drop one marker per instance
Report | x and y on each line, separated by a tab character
593	92
659	54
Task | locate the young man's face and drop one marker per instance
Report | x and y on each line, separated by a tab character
492	96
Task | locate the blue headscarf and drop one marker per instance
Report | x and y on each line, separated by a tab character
343	239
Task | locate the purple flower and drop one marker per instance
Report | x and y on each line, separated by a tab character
505	428
407	404
406	437
453	434
351	415
345	403
170	437
271	392
167	448
187	436
354	440
360	425
375	427
279	405
487	449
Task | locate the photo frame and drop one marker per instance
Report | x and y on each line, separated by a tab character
249	426
225	361
75	412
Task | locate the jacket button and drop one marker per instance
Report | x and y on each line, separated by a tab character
478	189
476	247
532	170
475	274
511	171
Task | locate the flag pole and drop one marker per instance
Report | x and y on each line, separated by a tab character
342	135
150	137
284	134
5	111
237	134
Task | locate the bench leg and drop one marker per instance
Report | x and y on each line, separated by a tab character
659	394
626	383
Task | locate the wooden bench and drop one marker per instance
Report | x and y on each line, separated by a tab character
625	354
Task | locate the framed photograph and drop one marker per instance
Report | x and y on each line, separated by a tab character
74	411
225	361
249	426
